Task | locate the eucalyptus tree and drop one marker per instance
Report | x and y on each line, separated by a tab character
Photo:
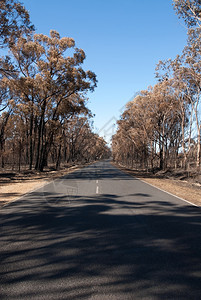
190	11
192	75
149	129
14	21
48	83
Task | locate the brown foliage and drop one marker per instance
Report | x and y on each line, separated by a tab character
45	89
14	21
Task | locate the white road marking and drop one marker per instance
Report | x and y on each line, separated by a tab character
97	190
96	181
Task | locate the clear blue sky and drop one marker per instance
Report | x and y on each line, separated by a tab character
123	41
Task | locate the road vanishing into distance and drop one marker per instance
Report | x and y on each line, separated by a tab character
99	233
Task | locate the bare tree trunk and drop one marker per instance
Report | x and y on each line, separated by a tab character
31	143
198	137
38	146
2	145
13	153
40	142
163	147
198	149
20	155
58	158
183	143
2	138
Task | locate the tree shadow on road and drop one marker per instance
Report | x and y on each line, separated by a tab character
100	247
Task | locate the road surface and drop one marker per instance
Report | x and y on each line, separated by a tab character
98	233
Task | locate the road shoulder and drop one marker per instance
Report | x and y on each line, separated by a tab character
181	189
15	185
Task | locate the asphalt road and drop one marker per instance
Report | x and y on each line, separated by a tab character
100	234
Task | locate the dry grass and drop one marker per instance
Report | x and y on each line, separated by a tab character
189	190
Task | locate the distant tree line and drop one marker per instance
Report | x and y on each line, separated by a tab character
161	127
43	105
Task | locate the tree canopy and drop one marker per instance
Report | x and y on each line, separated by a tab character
43	96
161	127
14	21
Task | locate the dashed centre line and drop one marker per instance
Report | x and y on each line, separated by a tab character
97	187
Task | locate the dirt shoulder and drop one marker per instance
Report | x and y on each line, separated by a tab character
14	185
189	190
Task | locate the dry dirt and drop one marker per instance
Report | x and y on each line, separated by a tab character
189	189
14	185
